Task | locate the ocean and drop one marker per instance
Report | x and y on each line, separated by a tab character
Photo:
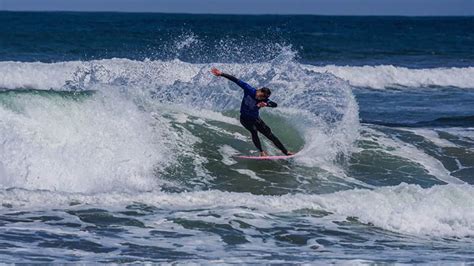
117	145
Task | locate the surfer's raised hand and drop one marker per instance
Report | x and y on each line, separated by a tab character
216	72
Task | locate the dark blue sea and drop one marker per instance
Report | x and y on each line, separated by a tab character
117	145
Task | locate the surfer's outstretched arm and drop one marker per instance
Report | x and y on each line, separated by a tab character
246	87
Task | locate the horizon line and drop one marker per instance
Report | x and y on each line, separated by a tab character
228	14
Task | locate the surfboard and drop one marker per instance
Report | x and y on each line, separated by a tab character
270	157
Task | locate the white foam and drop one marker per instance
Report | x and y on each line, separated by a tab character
250	174
65	75
433	136
100	143
466	134
17	75
444	210
227	152
405	150
84	74
383	76
180	110
440	210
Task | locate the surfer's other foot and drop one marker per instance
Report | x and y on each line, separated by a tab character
263	154
290	153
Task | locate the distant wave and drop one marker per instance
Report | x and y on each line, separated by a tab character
450	121
386	76
63	75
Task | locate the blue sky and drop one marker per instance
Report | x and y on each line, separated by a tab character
322	7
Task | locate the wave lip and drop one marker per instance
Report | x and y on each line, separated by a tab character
387	76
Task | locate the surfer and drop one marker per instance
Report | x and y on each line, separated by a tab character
253	100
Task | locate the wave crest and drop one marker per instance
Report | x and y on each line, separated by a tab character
387	76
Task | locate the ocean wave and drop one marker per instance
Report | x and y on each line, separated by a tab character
78	143
388	76
80	75
77	74
443	210
124	134
447	121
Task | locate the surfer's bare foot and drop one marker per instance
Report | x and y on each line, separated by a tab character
263	154
290	153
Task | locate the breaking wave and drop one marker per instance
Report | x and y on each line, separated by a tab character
388	76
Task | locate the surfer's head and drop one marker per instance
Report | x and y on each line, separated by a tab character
263	93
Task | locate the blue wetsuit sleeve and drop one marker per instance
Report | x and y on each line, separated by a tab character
246	87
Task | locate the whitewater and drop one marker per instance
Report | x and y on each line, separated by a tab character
36	75
76	133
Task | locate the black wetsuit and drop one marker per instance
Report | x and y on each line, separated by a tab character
250	118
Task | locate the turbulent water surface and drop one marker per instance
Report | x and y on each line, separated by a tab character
118	145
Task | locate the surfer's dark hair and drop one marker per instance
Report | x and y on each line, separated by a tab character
267	91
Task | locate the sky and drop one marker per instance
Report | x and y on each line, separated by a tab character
317	7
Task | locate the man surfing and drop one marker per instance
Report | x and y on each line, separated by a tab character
253	100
